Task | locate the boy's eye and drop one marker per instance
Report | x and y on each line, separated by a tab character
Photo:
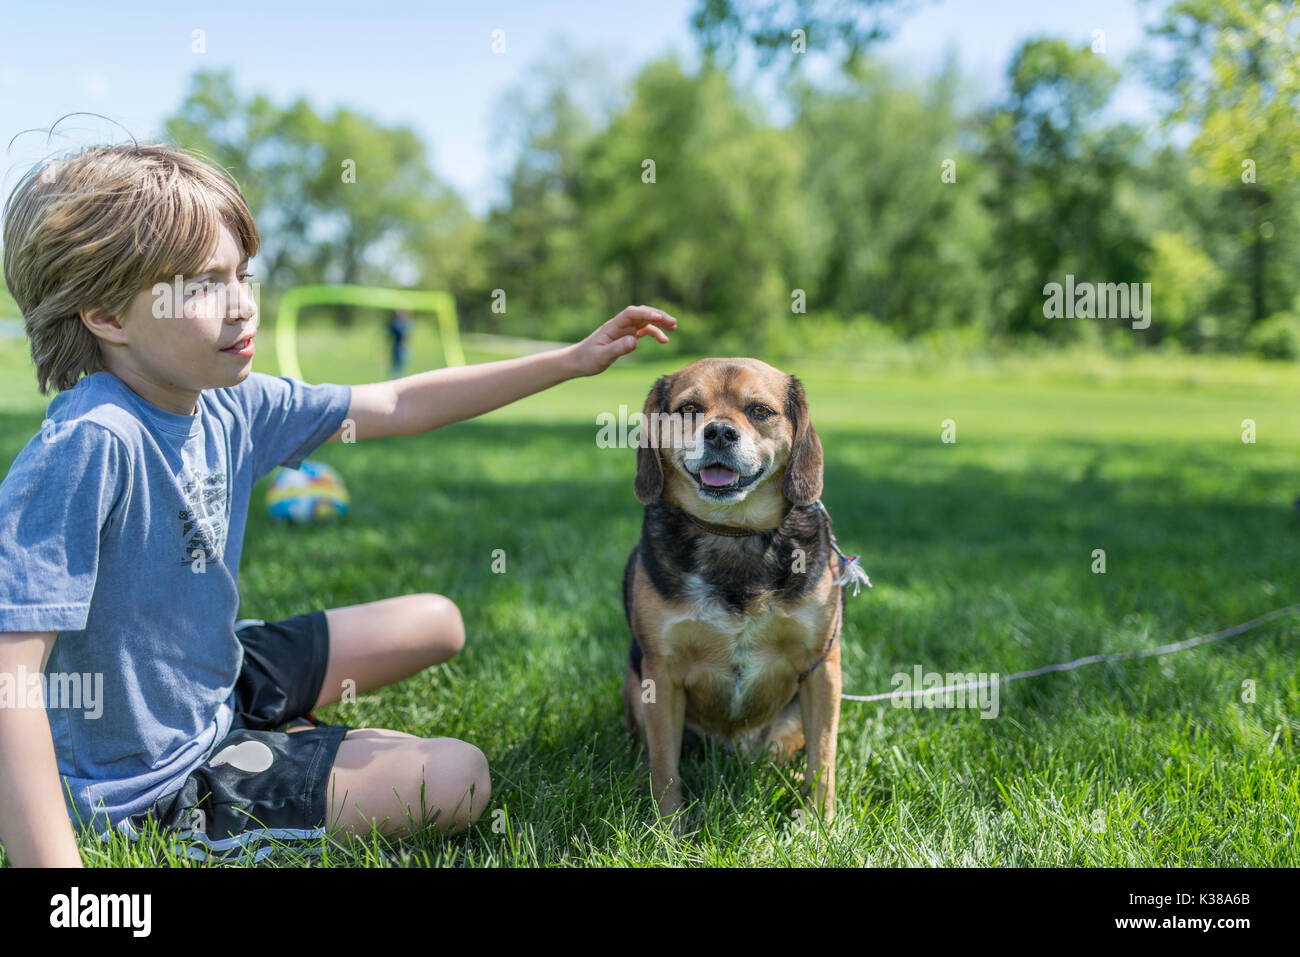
195	286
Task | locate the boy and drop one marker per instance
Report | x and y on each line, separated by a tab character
121	527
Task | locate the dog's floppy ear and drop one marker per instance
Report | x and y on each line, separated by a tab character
803	472
649	470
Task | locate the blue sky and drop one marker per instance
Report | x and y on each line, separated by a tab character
430	64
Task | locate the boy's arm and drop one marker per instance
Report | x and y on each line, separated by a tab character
429	400
34	825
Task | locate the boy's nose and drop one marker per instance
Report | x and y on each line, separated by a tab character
242	304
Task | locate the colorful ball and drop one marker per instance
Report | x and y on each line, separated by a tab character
313	492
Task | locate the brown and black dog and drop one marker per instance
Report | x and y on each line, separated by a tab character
730	594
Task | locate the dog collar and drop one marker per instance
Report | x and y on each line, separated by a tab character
731	531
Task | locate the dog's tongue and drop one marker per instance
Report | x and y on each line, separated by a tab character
717	475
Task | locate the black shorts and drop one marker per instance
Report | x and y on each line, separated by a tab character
262	785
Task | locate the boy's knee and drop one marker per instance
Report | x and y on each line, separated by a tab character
444	622
466	783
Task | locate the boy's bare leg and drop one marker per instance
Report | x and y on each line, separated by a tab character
381	642
378	774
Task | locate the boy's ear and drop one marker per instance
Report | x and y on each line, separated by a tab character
103	324
803	472
649	483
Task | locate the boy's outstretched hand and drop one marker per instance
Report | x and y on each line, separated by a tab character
619	336
429	400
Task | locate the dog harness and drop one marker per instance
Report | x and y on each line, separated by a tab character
850	571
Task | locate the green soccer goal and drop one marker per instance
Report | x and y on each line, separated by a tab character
441	304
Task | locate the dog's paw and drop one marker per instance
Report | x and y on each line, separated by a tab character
674	819
670	804
669	807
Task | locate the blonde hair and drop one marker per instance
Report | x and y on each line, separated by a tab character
92	230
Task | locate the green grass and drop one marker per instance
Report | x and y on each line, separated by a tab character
980	553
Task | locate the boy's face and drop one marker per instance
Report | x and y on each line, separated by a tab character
172	342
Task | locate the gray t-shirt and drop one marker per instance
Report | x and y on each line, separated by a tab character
121	527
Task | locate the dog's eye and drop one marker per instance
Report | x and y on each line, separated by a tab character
690	408
761	412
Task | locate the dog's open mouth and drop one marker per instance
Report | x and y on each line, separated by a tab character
716	479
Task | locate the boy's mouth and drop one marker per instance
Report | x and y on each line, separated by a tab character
244	347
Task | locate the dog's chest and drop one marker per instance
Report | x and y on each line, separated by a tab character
739	669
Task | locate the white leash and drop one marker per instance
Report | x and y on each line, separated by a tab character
1089	660
852	573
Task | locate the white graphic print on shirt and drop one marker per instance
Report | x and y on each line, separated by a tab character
204	523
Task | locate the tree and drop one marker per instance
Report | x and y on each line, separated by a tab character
899	199
787	28
531	245
691	198
1230	67
1061	186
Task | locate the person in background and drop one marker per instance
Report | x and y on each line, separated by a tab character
399	325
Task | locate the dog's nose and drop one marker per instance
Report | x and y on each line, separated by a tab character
720	434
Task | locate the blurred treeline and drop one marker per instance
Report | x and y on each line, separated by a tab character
894	209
